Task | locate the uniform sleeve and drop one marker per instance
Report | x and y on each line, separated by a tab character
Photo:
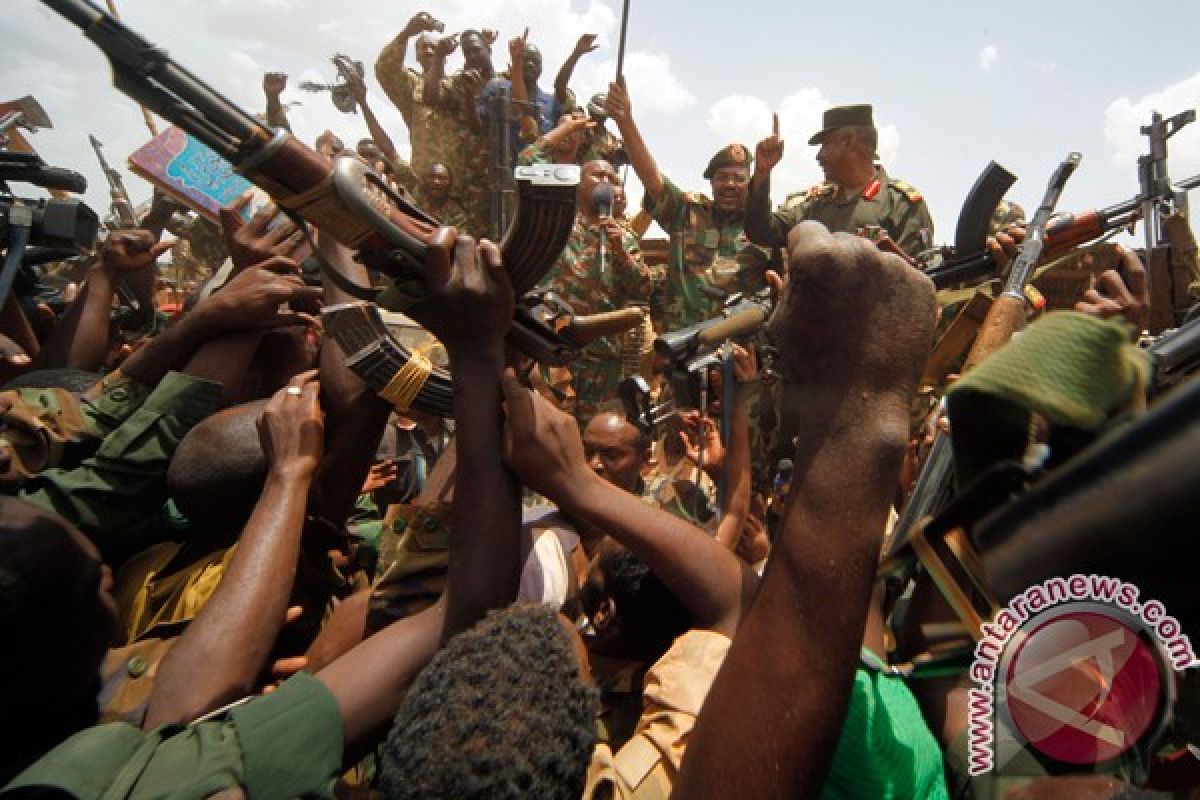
636	281
535	153
914	229
398	82
124	483
763	227
667	211
111	400
675	688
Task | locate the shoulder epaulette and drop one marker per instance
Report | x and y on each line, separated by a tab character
821	191
907	190
696	198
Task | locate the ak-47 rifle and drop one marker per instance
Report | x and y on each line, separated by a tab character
120	205
1006	316
345	198
1157	197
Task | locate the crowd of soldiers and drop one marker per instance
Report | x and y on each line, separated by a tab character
228	565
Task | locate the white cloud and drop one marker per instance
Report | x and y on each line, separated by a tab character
987	57
747	119
1124	118
230	43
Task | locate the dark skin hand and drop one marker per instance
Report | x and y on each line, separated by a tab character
858	323
620	110
219	656
80	339
257	240
544	448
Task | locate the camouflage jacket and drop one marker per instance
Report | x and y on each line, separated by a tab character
709	256
894	206
435	133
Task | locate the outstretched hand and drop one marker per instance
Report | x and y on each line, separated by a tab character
469	299
267	234
541	444
586	44
131	251
292	427
251	300
617	102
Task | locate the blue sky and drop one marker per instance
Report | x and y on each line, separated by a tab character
954	84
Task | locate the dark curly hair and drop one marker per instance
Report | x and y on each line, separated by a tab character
500	712
651	617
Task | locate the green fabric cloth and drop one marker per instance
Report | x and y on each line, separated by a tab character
114	496
279	746
1072	369
886	750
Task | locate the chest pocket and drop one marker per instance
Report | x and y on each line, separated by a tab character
700	246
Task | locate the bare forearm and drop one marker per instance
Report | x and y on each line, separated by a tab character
167	351
705	577
798	646
378	134
485	559
80	339
737	460
370	681
276	115
225	360
562	80
219	657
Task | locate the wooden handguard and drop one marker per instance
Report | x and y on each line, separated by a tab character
1006	317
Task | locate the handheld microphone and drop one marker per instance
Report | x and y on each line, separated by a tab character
602	201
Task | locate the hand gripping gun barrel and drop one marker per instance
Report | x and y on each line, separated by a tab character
345	198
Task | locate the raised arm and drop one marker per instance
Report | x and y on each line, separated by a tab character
358	85
80	339
858	325
545	449
762	227
586	44
621	111
273	85
220	655
469	308
433	93
394	52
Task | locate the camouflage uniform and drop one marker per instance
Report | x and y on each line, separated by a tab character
668	490
450	212
1006	215
885	203
576	277
435	132
709	256
475	183
600	146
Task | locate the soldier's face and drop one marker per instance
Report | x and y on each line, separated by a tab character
837	154
730	186
437	181
476	54
532	67
426	49
610	446
594	173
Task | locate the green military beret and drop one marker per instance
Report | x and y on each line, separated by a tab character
731	155
843	117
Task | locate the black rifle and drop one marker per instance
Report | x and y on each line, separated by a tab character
970	254
500	116
120	205
346	199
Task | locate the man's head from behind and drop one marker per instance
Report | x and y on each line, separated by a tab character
501	712
217	472
57	616
615	449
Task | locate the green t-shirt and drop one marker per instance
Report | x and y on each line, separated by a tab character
279	746
886	750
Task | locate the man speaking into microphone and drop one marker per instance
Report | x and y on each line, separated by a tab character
601	269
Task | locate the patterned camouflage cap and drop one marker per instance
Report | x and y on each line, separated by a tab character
731	155
843	117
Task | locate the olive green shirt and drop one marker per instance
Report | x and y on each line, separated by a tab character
279	746
891	205
114	494
709	256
